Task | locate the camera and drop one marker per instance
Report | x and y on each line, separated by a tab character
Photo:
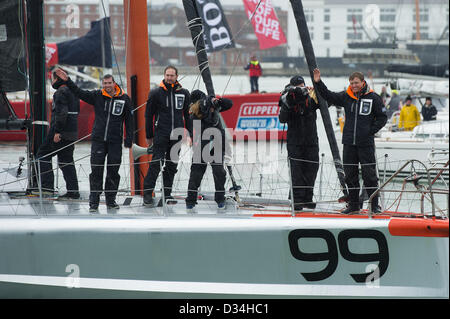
297	95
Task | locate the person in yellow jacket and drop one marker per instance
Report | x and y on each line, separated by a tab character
409	116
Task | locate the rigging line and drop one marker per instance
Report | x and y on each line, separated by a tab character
240	51
60	149
128	30
194	23
191	24
112	44
20	18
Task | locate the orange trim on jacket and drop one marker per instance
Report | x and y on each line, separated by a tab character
352	95
164	86
118	92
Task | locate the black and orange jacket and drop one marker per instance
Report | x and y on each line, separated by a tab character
167	109
365	114
111	112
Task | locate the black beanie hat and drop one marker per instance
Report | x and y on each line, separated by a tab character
297	80
197	95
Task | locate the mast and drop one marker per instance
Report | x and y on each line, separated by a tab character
37	82
299	15
417	20
103	8
196	27
138	80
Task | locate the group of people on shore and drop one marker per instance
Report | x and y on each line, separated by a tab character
173	112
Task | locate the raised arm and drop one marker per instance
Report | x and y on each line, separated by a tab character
86	96
333	98
225	104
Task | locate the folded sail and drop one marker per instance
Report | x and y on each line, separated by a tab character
12	48
86	50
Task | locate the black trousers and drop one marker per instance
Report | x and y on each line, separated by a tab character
161	156
100	151
304	164
65	162
365	156
254	83
195	179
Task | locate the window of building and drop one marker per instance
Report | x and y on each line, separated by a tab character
387	15
326	33
86	23
423	14
354	14
309	15
424	33
326	16
51	23
387	32
353	34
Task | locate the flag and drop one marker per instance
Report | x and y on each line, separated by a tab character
265	23
217	33
86	50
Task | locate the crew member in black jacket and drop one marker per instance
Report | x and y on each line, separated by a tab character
365	115
211	144
112	109
298	110
429	111
62	133
167	111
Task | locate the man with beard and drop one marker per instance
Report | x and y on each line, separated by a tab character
167	110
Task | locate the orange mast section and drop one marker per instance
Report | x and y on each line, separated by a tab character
137	62
417	20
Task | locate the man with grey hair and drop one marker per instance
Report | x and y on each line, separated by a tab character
365	115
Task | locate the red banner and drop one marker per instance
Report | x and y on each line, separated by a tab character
51	54
265	23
